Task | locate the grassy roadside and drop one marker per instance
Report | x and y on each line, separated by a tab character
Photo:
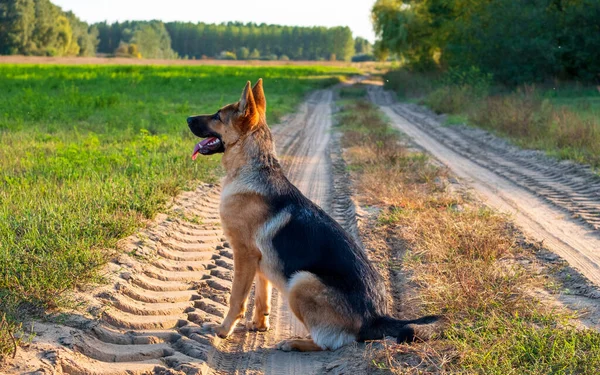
464	260
89	153
562	119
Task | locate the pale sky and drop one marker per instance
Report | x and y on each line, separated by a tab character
353	13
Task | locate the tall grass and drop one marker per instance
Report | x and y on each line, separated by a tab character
560	120
88	153
464	261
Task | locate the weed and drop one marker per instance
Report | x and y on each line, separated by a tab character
8	342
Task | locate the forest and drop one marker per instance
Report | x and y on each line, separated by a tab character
233	40
38	27
515	41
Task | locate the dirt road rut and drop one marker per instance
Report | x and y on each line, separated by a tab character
177	274
552	201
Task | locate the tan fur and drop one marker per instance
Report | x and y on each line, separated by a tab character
241	216
262	304
300	345
260	99
318	308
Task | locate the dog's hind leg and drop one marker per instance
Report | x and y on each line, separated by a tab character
322	312
262	304
299	345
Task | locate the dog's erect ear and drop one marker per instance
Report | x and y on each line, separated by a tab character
259	96
247	107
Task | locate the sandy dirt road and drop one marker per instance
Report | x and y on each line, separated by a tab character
176	275
554	202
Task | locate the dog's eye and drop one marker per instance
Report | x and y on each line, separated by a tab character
217	116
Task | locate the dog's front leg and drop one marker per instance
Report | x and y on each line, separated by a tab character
245	265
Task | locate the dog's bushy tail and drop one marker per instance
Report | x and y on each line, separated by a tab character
404	330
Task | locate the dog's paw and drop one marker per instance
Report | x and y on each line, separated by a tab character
285	346
260	326
217	329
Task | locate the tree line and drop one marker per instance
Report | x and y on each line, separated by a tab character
235	40
516	41
149	39
38	27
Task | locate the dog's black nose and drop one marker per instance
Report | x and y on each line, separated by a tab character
190	120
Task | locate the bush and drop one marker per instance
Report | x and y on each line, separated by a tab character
243	53
473	77
254	55
226	55
132	50
124	50
363	57
574	131
270	57
518	115
410	84
451	99
284	58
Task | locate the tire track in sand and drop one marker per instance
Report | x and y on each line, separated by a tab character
176	275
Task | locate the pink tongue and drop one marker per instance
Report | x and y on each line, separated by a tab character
201	145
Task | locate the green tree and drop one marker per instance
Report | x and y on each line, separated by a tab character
85	36
38	27
516	41
406	28
254	55
362	46
17	20
153	40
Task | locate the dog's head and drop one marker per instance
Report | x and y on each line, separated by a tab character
231	123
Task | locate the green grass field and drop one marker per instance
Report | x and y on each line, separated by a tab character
90	152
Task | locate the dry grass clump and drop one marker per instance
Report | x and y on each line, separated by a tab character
578	135
451	99
518	115
533	122
466	255
463	260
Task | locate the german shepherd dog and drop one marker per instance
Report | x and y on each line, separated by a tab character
280	237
